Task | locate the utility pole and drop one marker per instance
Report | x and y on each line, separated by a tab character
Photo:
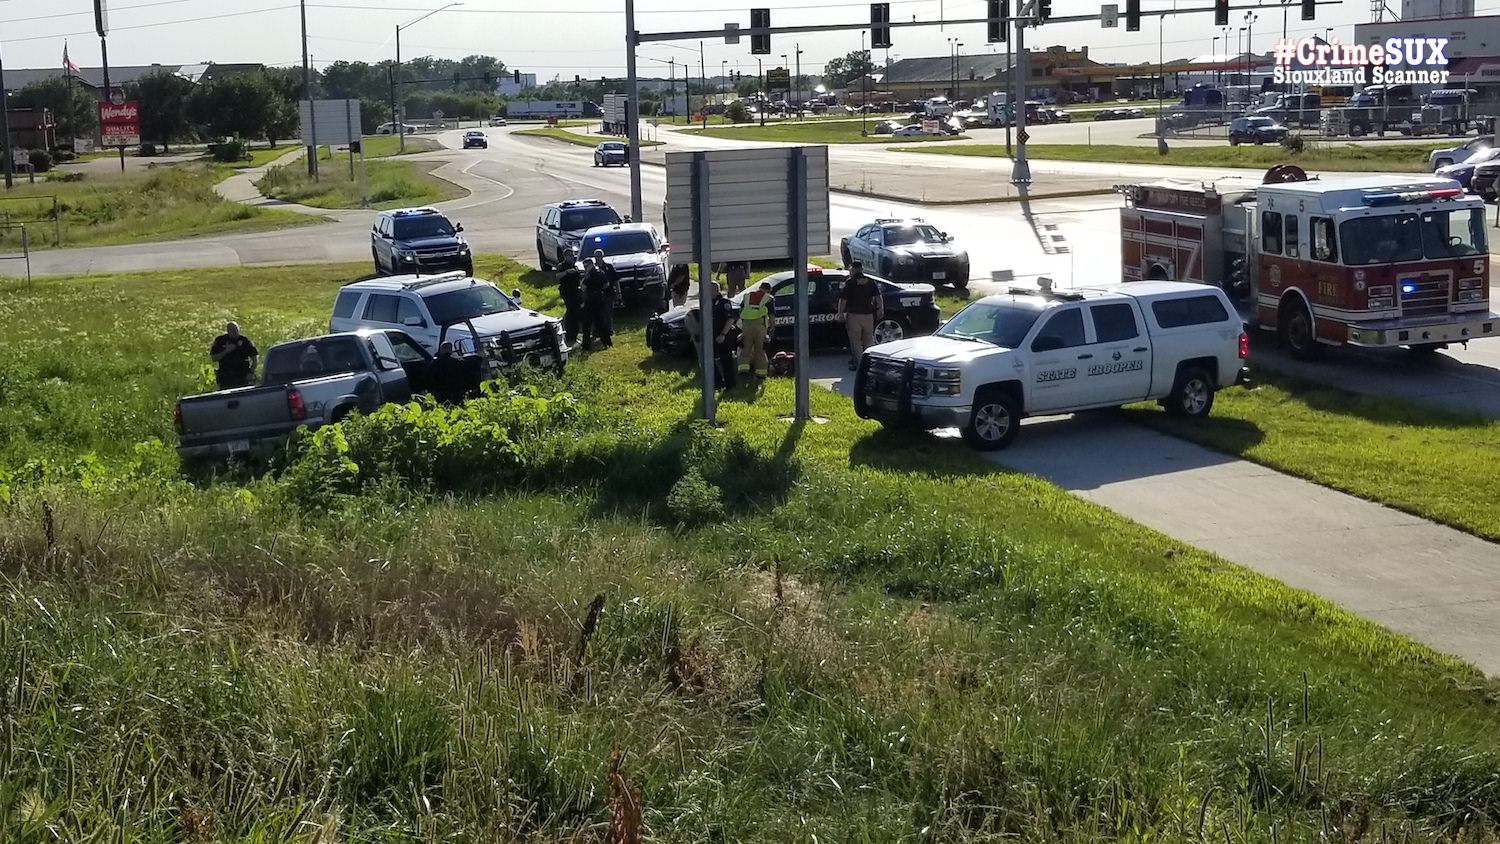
1020	172
798	83
702	84
312	135
672	86
5	129
632	113
398	96
761	69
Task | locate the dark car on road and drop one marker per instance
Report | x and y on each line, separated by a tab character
475	139
418	241
907	250
1118	114
1464	172
1256	130
611	152
909	311
561	225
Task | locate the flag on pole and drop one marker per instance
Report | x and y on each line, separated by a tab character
67	62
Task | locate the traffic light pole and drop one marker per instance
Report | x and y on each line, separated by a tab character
1020	171
632	118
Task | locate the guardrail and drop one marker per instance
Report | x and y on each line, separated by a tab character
25	250
7	221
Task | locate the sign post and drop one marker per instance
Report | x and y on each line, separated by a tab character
332	122
119	123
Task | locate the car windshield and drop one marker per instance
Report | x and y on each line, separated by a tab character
475	134
476	300
612	147
428	225
1394	238
1482	156
618	243
907	235
1003	323
587	218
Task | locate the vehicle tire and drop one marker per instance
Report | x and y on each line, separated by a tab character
1192	396
1233	141
887	271
1259	141
993	421
890	329
541	258
844	254
379	270
1297	330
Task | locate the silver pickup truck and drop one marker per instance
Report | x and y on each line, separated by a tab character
306	383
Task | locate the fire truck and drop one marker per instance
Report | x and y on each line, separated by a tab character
1377	261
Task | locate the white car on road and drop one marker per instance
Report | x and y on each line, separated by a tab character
915	130
1040	352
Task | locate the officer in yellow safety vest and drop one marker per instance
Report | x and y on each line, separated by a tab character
755	323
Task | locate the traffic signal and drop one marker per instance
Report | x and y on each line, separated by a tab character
1132	15
880	25
1309	9
457	77
999	27
760	45
1221	12
1043	10
516	77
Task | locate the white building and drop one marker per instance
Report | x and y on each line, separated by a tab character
1413	9
514	83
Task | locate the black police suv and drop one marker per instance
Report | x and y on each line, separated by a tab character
418	240
909	311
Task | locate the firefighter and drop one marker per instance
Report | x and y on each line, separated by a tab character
755	322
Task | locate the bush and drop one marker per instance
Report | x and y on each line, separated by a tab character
41	160
62	154
230	151
694	501
737	113
1294	144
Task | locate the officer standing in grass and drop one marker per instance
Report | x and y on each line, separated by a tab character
599	294
234	356
447	377
722	324
755	321
860	307
570	290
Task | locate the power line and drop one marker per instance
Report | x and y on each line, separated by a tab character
154	25
89	12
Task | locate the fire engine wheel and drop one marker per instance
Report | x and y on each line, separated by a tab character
993	421
1193	395
1297	331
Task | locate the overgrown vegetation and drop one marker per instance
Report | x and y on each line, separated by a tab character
565	612
391	184
152	204
1356	157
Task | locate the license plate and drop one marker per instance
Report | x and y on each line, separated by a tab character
939	275
239	446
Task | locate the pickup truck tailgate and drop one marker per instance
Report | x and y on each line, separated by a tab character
233	414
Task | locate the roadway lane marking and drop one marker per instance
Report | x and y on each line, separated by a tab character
510	190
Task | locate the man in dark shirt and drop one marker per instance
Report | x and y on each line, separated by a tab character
599	294
234	355
725	341
570	289
860	307
447	376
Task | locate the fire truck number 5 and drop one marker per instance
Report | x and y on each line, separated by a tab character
1374	261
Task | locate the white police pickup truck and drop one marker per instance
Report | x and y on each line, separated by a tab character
1032	352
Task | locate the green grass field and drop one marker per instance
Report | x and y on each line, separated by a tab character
826	132
1324	156
142	205
558	133
391	184
823	630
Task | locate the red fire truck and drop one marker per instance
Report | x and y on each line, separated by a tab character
1370	261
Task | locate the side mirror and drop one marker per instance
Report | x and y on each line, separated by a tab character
515	294
414	322
944	236
459	227
1047	343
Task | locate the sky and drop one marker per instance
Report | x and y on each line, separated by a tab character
560	38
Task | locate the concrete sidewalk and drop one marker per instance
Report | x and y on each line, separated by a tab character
1434	584
241	187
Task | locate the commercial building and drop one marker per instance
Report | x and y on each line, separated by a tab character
1473	47
1056	73
92	78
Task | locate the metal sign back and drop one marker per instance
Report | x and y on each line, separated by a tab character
748	219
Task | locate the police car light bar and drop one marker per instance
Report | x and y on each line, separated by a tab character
1412	196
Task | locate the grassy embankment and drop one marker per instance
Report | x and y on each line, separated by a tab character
141	205
825	630
558	133
391	184
1317	156
827	132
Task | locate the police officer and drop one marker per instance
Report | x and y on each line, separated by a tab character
599	294
755	321
721	324
234	358
860	308
447	376
570	289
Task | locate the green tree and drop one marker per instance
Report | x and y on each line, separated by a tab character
74	106
239	106
839	72
737	113
163	98
282	120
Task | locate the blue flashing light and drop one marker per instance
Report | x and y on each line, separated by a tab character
1408	288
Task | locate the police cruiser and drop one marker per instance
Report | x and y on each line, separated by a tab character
1033	352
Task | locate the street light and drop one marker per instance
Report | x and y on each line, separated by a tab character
953	45
724	76
396	71
1250	18
1213	56
783	67
760	69
864	104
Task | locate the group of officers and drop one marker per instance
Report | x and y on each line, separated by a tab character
589	291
